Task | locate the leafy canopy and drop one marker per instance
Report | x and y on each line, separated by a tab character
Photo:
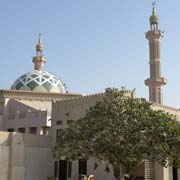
122	131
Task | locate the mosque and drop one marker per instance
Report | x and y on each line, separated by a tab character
38	105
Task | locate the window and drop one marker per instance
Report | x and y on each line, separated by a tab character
70	169
10	130
69	121
58	123
21	130
175	173
33	130
22	115
58	134
62	170
56	169
45	130
82	166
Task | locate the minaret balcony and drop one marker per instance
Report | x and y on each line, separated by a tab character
154	34
156	81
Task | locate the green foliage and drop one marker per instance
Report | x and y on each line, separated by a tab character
122	131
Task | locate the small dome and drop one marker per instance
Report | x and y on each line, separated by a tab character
39	47
39	81
154	19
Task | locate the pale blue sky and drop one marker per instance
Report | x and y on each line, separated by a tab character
90	44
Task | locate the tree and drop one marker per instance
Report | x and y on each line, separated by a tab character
123	132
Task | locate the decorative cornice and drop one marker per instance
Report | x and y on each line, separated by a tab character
17	94
81	97
73	98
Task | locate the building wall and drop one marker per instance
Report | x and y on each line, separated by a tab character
27	113
63	112
25	157
167	109
25	109
38	163
4	155
66	111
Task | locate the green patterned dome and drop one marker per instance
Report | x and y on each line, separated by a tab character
39	81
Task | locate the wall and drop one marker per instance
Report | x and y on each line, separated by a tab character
25	157
76	107
4	155
38	163
73	109
27	113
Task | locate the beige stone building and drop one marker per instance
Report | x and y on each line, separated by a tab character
27	112
26	109
38	106
64	112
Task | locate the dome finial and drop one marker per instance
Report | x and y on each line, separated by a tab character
153	8
39	46
39	42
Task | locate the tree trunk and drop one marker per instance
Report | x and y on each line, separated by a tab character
118	173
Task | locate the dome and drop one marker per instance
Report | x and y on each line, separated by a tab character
154	19
39	81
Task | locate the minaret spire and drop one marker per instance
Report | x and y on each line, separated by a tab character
154	19
153	9
39	38
39	59
155	82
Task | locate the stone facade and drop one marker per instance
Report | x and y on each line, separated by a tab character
30	112
25	157
65	112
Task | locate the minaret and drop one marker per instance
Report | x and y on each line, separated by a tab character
155	82
39	59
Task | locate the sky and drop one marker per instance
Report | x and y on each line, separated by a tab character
90	44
